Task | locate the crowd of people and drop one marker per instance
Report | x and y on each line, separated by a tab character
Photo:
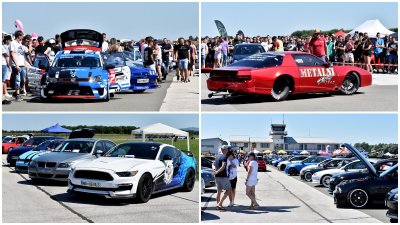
378	54
19	51
225	170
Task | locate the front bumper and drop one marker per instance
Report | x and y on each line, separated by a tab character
21	166
119	187
12	159
339	198
75	90
315	179
53	173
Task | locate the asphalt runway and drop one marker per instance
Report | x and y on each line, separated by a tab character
372	98
282	199
49	202
150	100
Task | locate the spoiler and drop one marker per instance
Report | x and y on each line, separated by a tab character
84	34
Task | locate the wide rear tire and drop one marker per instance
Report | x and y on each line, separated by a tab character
350	84
281	89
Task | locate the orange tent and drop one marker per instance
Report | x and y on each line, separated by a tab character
340	33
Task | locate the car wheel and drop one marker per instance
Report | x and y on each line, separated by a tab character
189	181
350	84
325	180
358	198
145	188
282	167
281	89
292	171
308	176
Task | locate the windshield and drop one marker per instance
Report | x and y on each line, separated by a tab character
259	61
81	42
34	141
312	160
76	61
135	150
76	146
116	59
9	139
248	49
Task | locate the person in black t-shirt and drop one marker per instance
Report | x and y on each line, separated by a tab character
148	56
182	57
166	48
340	46
221	177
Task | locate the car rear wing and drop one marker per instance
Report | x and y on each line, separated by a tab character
81	34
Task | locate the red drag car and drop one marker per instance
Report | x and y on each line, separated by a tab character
282	73
13	143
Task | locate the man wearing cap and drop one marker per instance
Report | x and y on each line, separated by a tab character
221	177
317	45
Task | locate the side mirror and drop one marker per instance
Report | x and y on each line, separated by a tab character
99	152
110	67
166	157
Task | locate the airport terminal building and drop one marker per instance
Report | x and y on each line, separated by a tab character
278	139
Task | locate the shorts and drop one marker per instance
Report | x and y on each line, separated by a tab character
223	183
183	64
152	67
4	71
203	59
393	59
158	62
349	57
233	183
251	183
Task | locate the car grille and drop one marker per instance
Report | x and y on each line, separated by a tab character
120	188
45	175
47	164
95	175
64	89
41	164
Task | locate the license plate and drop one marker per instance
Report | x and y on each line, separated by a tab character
90	184
142	81
73	92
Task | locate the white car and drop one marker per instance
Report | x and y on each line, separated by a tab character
135	170
323	177
203	186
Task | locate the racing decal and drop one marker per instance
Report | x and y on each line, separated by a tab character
169	171
325	74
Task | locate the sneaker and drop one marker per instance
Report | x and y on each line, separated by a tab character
18	98
8	96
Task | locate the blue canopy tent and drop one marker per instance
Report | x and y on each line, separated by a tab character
295	153
56	129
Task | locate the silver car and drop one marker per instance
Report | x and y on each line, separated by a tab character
57	165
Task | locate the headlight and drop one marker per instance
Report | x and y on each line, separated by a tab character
395	197
66	165
95	78
127	173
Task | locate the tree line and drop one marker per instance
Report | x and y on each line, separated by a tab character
381	147
309	33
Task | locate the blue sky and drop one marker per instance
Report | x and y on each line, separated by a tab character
350	128
40	121
284	18
120	20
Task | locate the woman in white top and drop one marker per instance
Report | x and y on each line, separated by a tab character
232	165
251	180
217	55
158	61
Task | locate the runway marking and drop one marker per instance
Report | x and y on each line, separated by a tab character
53	198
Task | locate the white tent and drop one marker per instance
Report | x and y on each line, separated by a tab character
372	27
161	129
304	152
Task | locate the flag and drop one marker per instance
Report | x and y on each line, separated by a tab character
221	28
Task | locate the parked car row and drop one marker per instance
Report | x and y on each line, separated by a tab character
100	167
82	71
356	182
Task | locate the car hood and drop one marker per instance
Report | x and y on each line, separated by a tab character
29	154
310	167
61	156
84	72
20	150
362	158
117	164
329	171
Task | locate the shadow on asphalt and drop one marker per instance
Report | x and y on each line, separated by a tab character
92	199
43	183
251	99
205	216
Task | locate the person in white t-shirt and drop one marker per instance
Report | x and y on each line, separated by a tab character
17	53
251	180
232	165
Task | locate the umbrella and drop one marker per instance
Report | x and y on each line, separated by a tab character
282	152
256	151
267	152
341	152
241	151
323	152
295	153
55	129
304	152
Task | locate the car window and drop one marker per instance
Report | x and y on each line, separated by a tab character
307	60
21	140
108	145
99	146
357	165
259	61
167	151
77	146
248	49
136	150
76	61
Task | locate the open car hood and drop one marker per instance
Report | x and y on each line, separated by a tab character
362	158
84	34
82	133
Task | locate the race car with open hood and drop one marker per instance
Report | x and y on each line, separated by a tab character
78	71
359	193
135	170
280	74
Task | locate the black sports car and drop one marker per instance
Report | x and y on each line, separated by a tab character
380	166
391	203
307	172
371	189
